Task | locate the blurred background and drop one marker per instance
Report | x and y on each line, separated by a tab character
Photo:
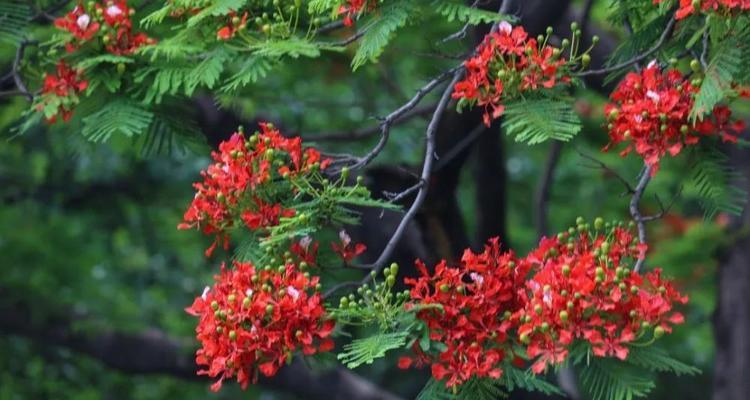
94	275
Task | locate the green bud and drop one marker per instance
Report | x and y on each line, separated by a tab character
564	316
695	65
658	332
232	335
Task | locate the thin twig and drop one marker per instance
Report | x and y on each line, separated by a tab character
397	196
465	142
662	39
635	212
545	188
385	125
609	170
15	69
429	157
369	131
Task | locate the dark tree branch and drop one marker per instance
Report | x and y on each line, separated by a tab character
368	132
545	188
635	212
429	157
15	71
599	164
153	352
637	59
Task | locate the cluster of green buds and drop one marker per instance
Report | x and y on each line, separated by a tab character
373	302
575	55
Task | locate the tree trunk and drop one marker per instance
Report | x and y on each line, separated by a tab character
732	314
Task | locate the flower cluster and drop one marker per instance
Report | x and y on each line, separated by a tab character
508	63
583	289
575	286
60	92
108	21
650	109
254	320
468	310
241	186
353	7
689	7
235	24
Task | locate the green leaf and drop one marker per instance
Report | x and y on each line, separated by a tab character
215	9
656	359
366	350
535	121
515	378
717	184
459	11
718	79
608	379
15	16
253	69
379	31
117	117
104	58
293	47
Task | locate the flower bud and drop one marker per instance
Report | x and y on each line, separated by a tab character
658	332
564	316
695	65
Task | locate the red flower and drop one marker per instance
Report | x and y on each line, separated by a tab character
350	9
253	321
346	250
235	24
507	63
238	188
85	24
468	311
726	7
583	289
650	110
79	23
61	89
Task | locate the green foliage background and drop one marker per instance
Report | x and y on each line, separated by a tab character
91	227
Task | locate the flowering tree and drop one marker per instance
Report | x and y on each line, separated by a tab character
295	281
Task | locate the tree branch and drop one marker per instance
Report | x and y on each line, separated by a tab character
635	212
153	352
637	59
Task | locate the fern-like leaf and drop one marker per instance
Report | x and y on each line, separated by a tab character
292	47
14	19
607	379
658	360
535	121
253	69
459	11
515	378
716	85
380	30
118	116
717	184
366	350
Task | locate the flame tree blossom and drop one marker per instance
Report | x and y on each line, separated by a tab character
60	92
582	288
508	63
241	186
496	308
109	22
253	320
467	310
650	111
691	7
